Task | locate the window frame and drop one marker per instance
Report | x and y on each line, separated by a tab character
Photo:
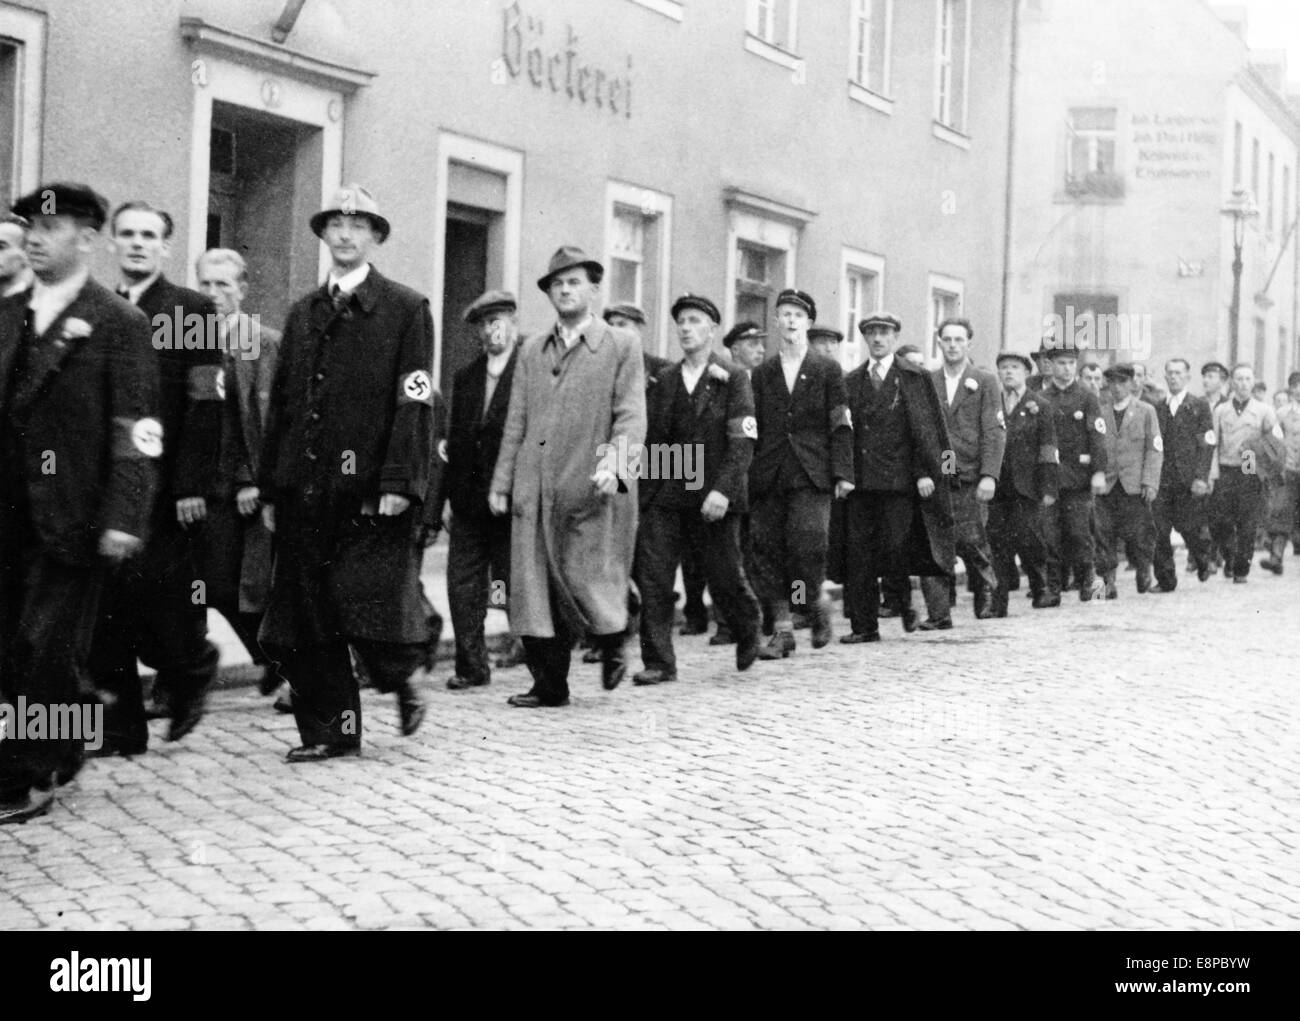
29	31
861	90
652	205
758	43
858	261
945	128
941	283
765	223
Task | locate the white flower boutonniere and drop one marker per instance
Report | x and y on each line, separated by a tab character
970	384
719	373
1078	416
75	329
1033	408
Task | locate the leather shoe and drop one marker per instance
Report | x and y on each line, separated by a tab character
858	637
268	682
910	621
1239	579
1045	602
613	666
746	652
186	714
1111	591
530	701
936	625
653	676
1203	572
283	704
821	627
410	704
801	621
459	683
591	655
780	645
722	636
988	613
36	803
695	626
158	708
320	752
887	611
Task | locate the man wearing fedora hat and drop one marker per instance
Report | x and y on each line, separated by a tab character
567	473
344	474
478	550
79	450
803	459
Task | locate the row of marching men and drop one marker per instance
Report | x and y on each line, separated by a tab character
870	478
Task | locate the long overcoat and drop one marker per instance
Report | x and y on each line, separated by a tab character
351	418
572	412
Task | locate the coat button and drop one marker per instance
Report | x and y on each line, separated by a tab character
314	416
319	376
541	443
310	455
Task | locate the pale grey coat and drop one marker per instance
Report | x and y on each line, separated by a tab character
560	428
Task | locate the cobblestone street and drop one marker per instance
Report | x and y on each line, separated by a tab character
1130	764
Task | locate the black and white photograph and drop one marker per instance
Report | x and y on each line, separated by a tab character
628	465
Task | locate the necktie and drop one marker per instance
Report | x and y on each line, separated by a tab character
124	292
339	297
876	378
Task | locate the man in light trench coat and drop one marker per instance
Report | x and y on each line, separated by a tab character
567	472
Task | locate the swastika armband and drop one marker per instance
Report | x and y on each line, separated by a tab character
1211	438
840	416
745	427
415	387
206	383
134	438
1048	454
1159	444
1100	425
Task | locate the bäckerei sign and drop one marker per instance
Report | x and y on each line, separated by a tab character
525	50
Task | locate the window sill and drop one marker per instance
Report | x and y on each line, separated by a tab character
1064	198
862	94
778	56
951	136
668	8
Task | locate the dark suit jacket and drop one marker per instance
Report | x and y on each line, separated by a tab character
246	384
1187	452
92	441
1031	466
812	423
1080	434
474	437
975	427
724	427
190	405
368	386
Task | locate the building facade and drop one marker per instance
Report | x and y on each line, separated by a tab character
855	148
1134	123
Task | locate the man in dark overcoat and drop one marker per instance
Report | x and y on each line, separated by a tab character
345	469
79	450
899	515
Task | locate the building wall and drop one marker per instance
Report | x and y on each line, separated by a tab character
704	115
1163	248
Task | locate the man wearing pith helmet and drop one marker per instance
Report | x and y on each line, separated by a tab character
345	473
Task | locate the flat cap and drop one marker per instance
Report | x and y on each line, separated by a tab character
745	330
1120	370
880	319
487	303
1217	366
798	298
64	199
1015	356
825	333
696	301
627	310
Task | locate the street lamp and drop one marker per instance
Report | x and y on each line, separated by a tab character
1241	207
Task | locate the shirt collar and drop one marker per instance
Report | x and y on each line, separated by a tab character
134	291
568	337
885	364
349	281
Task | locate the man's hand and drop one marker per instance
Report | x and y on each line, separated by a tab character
715	506
1049	501
498	503
246	500
843	487
191	510
268	517
925	486
986	488
392	504
1148	495
605	481
1098	483
117	546
1200	487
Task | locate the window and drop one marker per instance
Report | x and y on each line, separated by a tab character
1090	155
762	239
1268	208
1254	169
22	74
952	64
946	294
863	276
1236	153
770	32
869	34
637	243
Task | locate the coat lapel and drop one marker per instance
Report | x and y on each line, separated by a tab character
13	314
54	346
